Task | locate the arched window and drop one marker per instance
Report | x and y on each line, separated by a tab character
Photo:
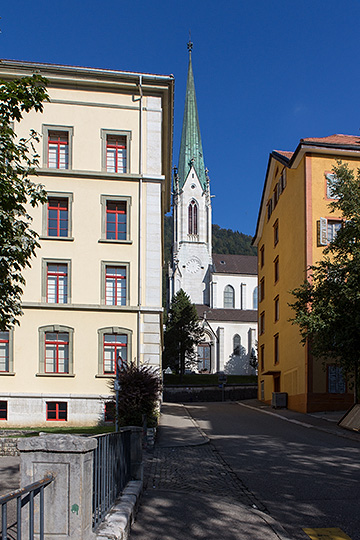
255	298
229	297
236	344
193	218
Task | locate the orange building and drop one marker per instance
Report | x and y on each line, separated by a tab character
294	225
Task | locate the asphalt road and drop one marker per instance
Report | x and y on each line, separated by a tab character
304	477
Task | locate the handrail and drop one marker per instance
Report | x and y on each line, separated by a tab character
31	487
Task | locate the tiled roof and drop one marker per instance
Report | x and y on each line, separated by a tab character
229	315
284	153
334	139
235	264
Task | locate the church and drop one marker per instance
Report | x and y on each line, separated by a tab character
222	287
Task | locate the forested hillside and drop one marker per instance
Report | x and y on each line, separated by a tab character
224	241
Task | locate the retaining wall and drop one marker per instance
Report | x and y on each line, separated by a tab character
187	394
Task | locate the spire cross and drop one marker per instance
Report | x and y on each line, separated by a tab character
190	43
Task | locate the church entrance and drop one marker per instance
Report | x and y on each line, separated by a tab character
204	357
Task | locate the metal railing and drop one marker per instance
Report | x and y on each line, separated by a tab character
112	471
23	497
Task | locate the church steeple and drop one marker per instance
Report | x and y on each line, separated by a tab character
191	152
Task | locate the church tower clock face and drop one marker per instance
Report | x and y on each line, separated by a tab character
193	266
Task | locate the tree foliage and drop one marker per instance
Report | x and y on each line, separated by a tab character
327	304
182	334
229	242
18	160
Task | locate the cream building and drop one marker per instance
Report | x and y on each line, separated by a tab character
93	292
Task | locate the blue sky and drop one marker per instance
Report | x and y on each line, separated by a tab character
266	73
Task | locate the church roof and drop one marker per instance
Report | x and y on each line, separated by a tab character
226	315
235	264
191	152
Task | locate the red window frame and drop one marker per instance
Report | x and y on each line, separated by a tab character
56	138
57	274
116	214
117	143
118	285
57	344
192	214
7	355
3	410
117	346
58	217
56	411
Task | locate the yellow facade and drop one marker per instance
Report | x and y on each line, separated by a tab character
90	106
295	201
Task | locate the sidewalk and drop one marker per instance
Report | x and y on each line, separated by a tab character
191	493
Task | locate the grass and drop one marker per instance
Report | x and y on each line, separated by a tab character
82	430
208	379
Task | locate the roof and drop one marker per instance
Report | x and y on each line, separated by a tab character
191	152
229	315
337	139
235	264
284	153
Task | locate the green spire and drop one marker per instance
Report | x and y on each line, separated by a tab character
191	151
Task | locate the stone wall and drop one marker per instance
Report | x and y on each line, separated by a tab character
8	446
187	394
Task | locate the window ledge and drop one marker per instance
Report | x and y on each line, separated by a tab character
109	241
7	373
55	375
62	238
105	376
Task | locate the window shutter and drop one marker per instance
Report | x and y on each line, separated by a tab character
323	232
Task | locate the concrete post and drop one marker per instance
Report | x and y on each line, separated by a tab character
137	467
68	500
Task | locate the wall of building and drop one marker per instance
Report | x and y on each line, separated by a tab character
243	286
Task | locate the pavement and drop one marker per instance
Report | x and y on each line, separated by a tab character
191	492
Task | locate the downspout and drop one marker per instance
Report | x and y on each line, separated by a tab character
140	220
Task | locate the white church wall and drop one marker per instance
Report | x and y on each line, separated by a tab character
227	361
243	286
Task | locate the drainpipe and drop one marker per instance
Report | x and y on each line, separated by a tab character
140	220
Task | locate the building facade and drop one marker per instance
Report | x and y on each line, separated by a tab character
221	286
93	293
294	226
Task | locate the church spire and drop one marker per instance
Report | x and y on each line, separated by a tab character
191	152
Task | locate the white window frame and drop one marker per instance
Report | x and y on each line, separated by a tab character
104	264
44	265
115	133
46	128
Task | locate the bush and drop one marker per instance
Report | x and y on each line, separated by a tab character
139	395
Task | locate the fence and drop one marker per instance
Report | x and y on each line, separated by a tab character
24	496
111	471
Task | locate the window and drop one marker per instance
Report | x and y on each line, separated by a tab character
57	216
115	218
56	411
3	410
276	232
276	349
276	270
204	357
115	151
262	322
262	256
331	181
115	285
255	298
282	182
56	350
276	194
56	276
57	147
276	308
336	382
236	345
193	218
114	345
229	297
269	208
328	229
262	357
4	352
243	296
262	289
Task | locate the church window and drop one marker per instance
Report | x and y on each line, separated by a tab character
255	298
236	344
193	218
229	297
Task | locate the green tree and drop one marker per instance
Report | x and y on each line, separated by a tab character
18	160
182	334
327	304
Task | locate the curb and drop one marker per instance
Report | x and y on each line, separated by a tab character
278	529
118	521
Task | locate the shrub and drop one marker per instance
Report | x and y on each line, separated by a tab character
140	389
